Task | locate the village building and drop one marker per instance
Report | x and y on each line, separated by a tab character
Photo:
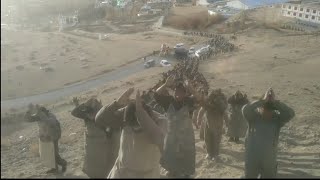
306	12
251	4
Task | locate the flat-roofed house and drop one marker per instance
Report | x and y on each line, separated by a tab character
251	4
308	12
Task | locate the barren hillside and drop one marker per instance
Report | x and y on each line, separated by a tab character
290	64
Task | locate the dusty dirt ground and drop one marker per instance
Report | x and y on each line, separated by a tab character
190	18
290	64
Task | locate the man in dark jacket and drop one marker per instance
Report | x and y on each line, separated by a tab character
101	144
265	118
49	131
213	112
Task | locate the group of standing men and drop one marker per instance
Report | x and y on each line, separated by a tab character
129	139
218	45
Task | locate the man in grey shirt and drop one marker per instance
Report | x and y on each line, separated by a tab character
265	118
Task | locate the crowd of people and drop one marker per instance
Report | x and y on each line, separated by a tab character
199	33
133	137
220	44
217	45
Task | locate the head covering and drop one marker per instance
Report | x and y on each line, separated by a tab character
92	105
180	86
43	109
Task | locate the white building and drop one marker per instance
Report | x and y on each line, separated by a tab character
304	12
251	4
224	11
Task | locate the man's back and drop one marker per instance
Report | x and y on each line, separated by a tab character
137	152
138	156
50	126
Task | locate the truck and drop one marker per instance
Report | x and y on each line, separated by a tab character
181	53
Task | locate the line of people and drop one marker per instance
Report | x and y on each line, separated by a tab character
199	33
217	41
131	138
217	45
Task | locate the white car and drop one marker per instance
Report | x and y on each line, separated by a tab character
192	50
202	51
165	63
180	45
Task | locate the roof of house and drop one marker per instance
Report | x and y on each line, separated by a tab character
257	3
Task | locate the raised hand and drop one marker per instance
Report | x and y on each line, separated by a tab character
75	101
124	99
170	81
140	112
269	95
138	100
189	86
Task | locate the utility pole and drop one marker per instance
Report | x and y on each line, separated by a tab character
194	2
133	14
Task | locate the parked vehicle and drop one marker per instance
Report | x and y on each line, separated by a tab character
180	45
202	51
165	63
150	63
181	53
192	50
